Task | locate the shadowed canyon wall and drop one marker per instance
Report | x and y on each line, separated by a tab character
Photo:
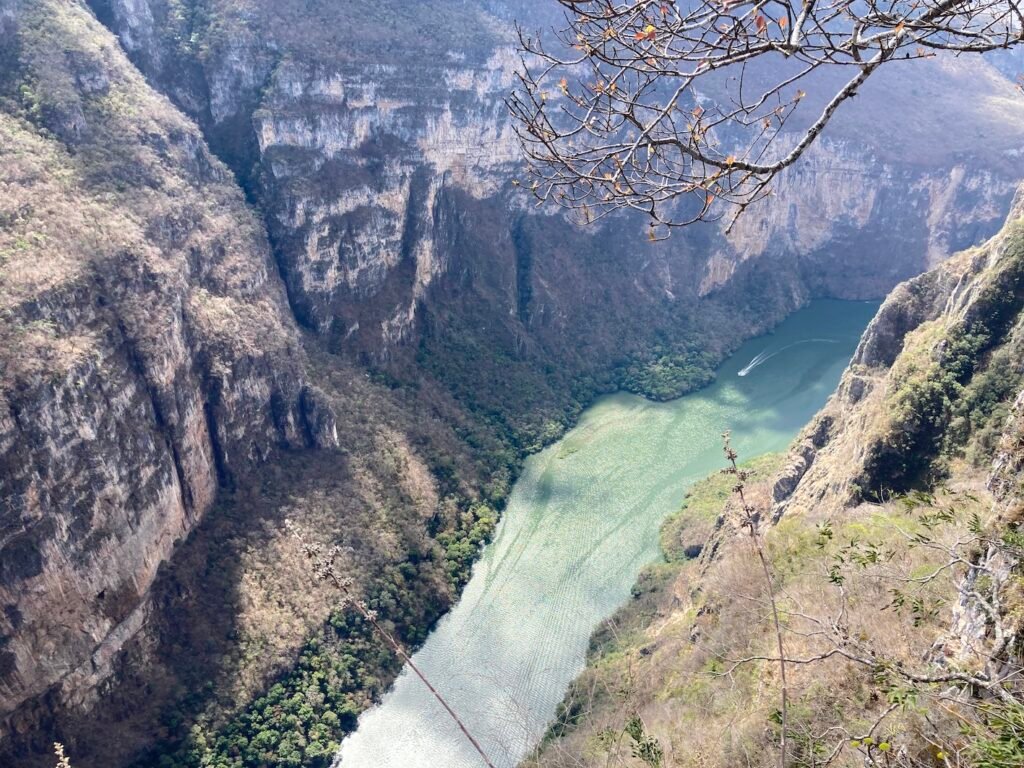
148	356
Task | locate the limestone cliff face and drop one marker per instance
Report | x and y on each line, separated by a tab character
356	163
354	152
910	390
148	352
146	355
857	223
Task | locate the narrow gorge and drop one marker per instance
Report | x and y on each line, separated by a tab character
581	522
274	261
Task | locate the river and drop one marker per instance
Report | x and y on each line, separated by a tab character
581	522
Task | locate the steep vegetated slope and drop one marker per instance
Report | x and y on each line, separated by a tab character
916	456
261	260
147	353
149	363
934	373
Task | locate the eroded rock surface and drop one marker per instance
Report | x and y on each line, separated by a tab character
147	353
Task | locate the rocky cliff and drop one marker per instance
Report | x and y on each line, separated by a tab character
940	361
237	235
148	356
371	167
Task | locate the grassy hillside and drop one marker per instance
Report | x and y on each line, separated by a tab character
901	610
666	684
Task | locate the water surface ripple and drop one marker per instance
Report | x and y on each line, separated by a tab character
581	522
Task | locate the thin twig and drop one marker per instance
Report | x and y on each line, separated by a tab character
324	570
750	520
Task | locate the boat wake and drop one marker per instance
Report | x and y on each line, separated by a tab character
766	355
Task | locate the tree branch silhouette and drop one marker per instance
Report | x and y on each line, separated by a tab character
687	111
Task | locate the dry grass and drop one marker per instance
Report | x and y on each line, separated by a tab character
106	184
672	657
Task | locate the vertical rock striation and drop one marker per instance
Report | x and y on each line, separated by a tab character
351	150
147	355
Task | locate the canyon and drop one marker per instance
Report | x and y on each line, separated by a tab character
581	523
265	261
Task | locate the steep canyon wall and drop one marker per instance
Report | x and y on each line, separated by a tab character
196	200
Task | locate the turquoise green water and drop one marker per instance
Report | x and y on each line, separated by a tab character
581	522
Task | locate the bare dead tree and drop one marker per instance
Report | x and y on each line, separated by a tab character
686	110
325	570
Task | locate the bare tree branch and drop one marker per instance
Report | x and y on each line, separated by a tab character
751	519
687	111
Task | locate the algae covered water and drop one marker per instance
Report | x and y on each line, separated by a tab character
581	522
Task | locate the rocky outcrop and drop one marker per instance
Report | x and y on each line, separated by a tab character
939	370
147	356
935	340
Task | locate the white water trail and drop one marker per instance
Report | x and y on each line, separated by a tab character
765	356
